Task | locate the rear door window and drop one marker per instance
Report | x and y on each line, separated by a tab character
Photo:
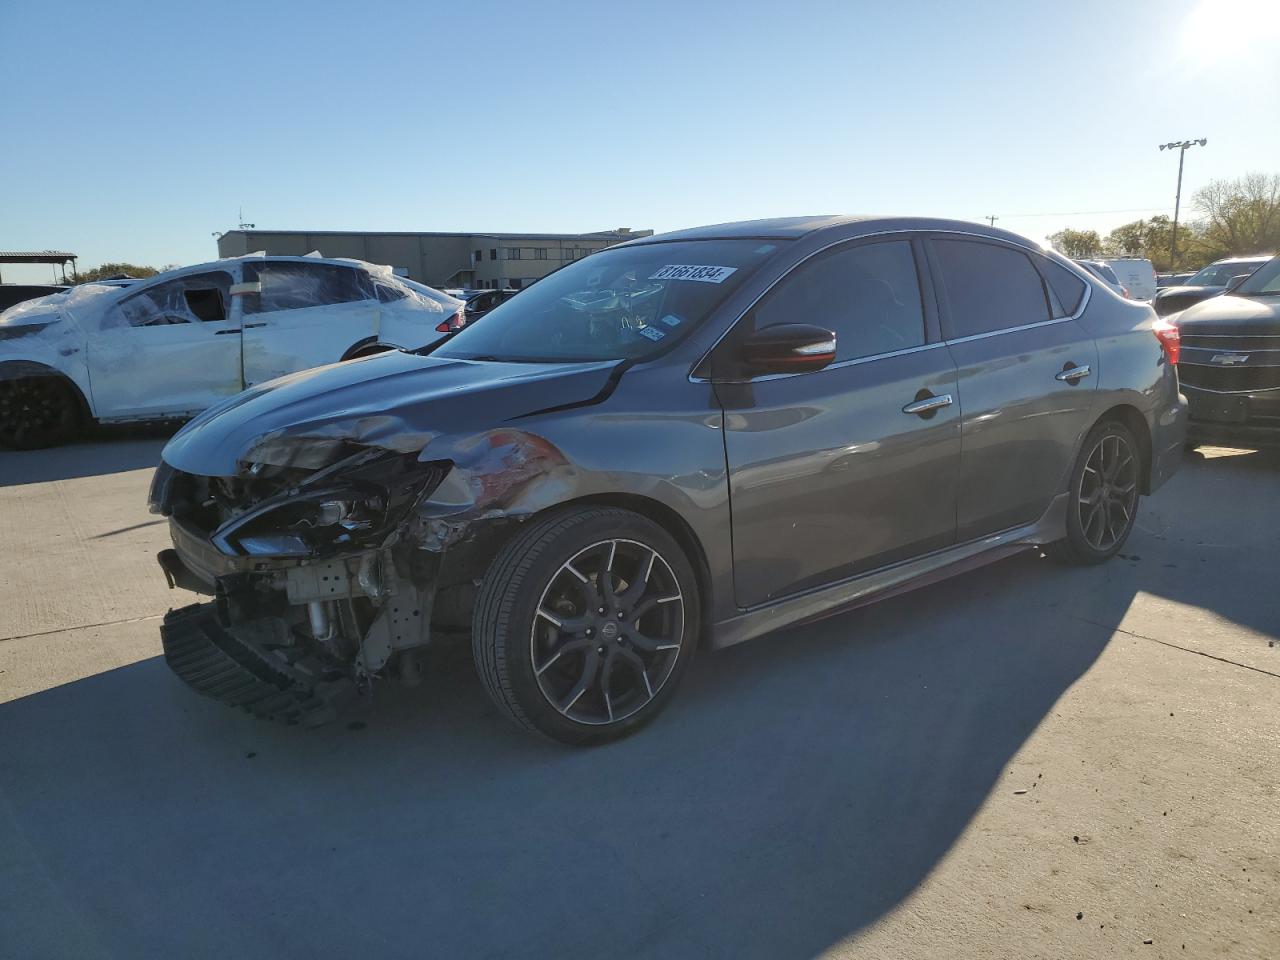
987	288
868	295
296	286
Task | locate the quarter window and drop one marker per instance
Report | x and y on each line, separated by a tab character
295	286
868	295
388	293
1066	286
988	287
198	298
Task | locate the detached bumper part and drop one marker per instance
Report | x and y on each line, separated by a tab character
214	663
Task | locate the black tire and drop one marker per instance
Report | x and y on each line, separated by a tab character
370	350
1102	508
540	566
37	412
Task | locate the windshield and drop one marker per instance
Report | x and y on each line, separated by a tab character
620	304
1265	280
1220	274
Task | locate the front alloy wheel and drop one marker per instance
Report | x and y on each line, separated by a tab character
36	412
584	624
608	631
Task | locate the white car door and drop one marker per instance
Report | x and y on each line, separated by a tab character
167	349
303	315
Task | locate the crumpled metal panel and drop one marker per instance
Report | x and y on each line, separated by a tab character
399	402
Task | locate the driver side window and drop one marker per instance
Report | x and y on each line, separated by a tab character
198	298
868	295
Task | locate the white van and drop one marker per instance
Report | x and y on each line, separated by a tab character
1137	275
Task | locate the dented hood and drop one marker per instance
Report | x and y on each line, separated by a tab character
397	401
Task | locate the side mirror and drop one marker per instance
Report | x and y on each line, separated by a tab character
788	348
1236	281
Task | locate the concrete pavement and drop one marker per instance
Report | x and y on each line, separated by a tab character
958	772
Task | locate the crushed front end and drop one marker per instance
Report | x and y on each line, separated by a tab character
318	579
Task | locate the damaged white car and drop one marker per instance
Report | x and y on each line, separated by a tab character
173	345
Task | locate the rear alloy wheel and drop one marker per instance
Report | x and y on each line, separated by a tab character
585	623
36	412
1104	496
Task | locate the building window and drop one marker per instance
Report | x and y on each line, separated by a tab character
567	253
479	256
513	253
493	253
540	253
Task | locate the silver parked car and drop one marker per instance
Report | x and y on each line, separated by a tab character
690	438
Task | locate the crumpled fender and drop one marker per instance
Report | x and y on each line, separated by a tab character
502	473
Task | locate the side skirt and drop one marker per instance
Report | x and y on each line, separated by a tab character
888	581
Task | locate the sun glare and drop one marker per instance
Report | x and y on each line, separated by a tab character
1216	29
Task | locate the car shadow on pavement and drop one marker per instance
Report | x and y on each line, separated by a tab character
797	789
114	449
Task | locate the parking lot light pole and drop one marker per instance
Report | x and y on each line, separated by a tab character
1177	199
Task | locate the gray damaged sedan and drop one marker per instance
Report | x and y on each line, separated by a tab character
689	439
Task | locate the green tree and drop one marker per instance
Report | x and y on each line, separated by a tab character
1241	216
111	269
1077	244
1147	238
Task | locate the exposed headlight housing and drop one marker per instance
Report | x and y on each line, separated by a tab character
344	507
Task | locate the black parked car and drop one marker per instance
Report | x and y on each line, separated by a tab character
700	436
485	301
1230	362
1209	282
12	294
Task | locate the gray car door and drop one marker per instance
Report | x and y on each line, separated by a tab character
1026	380
829	475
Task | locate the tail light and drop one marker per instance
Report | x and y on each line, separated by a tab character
1170	339
454	323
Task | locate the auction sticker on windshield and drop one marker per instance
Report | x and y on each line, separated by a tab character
685	271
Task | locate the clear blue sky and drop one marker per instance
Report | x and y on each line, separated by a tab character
132	131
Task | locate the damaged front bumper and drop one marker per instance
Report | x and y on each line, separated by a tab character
290	642
338	569
291	634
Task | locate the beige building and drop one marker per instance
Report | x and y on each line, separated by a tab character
492	260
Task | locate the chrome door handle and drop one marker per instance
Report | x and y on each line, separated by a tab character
928	403
1073	374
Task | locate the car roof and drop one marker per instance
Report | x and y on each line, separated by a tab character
791	228
1255	258
225	262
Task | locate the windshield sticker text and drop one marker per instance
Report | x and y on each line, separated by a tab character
685	271
653	333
